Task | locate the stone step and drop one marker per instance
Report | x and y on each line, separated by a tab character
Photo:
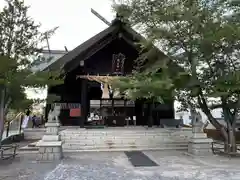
122	135
126	135
119	134
158	144
34	134
35	153
117	130
26	148
113	132
30	147
161	140
88	139
100	146
124	148
107	148
122	141
115	137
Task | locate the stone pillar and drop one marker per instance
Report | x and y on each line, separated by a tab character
50	147
199	144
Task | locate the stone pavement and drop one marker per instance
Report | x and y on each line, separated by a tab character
115	165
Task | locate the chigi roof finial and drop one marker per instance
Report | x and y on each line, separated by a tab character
119	19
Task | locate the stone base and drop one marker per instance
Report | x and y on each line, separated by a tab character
52	128
200	145
51	138
52	124
50	151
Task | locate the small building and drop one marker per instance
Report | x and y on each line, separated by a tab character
112	52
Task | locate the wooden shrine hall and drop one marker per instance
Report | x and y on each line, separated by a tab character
85	96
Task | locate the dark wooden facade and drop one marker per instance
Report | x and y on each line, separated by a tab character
95	57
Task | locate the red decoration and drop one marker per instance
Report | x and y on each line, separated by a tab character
75	112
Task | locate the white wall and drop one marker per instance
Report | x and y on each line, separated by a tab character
217	113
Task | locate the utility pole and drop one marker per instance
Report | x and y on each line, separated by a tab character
48	46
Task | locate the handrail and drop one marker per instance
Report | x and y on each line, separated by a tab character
19	114
13	129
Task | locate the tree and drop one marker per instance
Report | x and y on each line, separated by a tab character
202	37
20	47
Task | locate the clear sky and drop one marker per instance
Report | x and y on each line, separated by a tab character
74	18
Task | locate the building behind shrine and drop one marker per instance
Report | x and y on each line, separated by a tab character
109	53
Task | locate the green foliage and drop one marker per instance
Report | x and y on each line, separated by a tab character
20	47
152	87
202	37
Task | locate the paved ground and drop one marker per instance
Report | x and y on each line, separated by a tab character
115	166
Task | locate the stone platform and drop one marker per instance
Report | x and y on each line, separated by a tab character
75	139
124	139
50	151
34	133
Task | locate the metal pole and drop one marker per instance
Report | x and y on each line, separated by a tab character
8	126
46	36
21	120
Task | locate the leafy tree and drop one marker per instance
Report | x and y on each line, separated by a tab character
202	37
20	47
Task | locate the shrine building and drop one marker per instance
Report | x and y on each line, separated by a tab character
84	97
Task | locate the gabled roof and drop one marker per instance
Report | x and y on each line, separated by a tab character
79	49
116	27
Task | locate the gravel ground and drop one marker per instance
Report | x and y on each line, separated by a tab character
115	165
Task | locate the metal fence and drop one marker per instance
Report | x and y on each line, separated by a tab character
13	127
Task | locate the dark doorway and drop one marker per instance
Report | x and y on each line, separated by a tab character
94	91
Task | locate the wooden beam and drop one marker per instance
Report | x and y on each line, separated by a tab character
90	52
100	17
98	47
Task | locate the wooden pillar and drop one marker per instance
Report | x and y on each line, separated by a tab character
150	114
83	103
